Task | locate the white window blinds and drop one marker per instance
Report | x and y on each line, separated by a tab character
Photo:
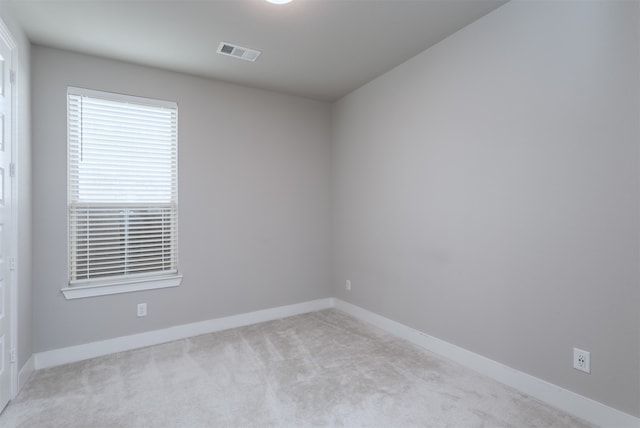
122	187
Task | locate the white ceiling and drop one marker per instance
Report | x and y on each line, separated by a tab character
320	49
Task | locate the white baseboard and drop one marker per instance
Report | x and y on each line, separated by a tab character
583	407
85	351
25	372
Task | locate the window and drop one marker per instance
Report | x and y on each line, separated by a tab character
122	193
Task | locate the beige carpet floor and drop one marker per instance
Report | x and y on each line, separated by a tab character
319	369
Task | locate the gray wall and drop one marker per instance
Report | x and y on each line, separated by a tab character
23	158
254	182
486	192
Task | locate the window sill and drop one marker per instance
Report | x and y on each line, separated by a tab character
82	291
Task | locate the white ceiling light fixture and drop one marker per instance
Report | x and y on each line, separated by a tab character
279	1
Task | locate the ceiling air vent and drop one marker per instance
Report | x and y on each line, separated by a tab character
238	51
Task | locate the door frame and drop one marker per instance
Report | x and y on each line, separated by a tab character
7	38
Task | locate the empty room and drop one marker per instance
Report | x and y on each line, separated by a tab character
355	213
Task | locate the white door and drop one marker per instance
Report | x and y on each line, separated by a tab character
5	221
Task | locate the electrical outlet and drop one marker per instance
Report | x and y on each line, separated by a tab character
142	309
582	360
347	285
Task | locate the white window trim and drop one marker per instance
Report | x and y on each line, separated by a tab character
124	286
131	284
120	97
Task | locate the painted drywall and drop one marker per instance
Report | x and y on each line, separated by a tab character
254	219
486	192
23	162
